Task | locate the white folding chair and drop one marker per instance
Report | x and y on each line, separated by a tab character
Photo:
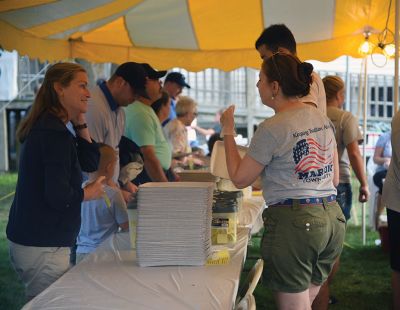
250	284
248	302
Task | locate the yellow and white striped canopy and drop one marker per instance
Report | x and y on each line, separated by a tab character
192	34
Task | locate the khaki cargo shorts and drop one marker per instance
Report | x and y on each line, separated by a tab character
300	244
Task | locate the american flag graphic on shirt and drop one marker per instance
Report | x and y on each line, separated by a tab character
312	159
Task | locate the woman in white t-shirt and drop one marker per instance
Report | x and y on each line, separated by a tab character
294	153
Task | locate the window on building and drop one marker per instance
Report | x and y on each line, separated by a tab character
380	93
372	109
373	93
381	110
389	111
389	94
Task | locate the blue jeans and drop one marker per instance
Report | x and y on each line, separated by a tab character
344	198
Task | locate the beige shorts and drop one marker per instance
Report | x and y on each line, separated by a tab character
38	267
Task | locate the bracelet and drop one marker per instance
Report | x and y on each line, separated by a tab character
227	133
79	127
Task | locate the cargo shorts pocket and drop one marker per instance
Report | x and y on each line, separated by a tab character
337	211
270	223
270	234
309	223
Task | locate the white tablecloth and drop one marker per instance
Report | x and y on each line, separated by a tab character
250	215
111	279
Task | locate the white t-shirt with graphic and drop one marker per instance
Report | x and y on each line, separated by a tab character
297	147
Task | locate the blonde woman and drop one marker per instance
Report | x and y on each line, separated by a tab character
348	137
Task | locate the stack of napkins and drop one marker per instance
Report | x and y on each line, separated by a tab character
174	223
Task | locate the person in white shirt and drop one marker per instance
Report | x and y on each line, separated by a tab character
279	38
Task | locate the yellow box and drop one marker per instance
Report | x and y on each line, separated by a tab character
224	228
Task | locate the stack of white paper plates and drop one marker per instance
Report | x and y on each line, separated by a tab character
174	223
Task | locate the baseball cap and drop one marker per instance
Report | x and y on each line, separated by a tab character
178	78
153	74
134	74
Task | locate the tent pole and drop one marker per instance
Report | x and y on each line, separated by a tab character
365	135
347	105
250	101
396	57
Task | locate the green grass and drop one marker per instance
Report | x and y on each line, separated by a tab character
362	282
11	290
363	279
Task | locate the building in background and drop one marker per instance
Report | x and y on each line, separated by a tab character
212	89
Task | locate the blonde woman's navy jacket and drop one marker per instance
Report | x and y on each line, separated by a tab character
47	204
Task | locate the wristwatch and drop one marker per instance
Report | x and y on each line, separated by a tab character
80	127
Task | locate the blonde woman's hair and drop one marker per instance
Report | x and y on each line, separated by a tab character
47	100
333	84
185	105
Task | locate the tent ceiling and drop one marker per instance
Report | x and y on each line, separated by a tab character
191	34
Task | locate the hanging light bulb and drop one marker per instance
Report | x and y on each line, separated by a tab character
389	50
366	47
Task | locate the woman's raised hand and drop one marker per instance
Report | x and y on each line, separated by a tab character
228	122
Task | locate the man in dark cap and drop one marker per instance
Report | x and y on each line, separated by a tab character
173	85
106	117
143	127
